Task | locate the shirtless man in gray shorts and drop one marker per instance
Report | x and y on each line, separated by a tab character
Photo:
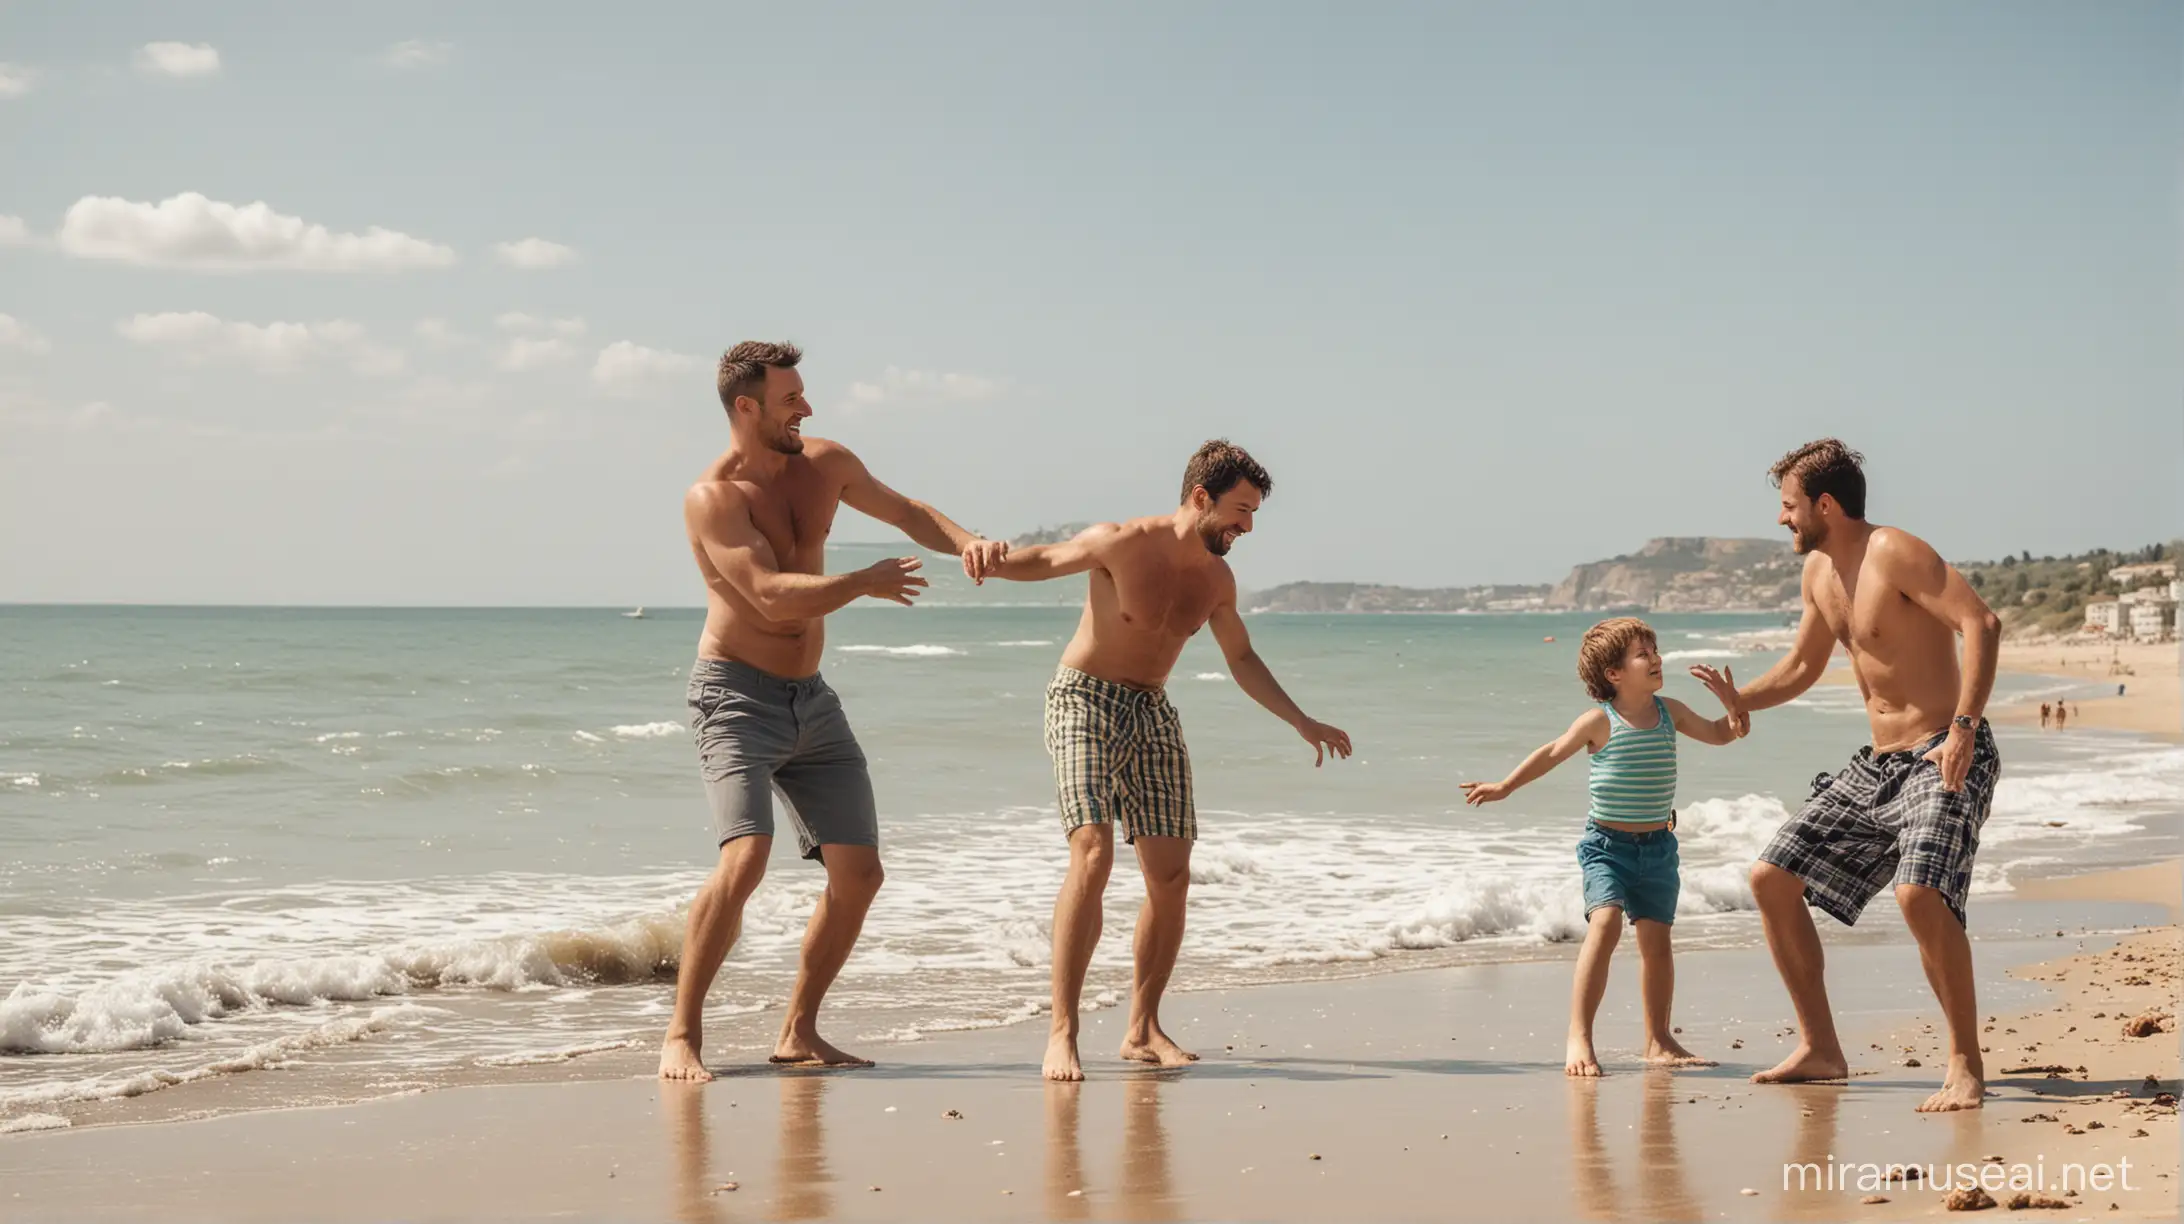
1116	742
764	719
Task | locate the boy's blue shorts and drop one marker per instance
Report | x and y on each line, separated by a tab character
1638	872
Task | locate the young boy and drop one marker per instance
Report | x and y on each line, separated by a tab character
1628	851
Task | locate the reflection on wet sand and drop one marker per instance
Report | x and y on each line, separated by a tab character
1814	1143
1662	1188
801	1169
682	1107
1145	1189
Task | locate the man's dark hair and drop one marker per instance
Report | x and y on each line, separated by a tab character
1828	467
743	368
1219	466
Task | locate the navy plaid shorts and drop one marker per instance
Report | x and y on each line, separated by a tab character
1884	820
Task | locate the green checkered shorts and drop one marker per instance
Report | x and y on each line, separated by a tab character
1118	757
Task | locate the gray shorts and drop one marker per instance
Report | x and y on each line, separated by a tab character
759	733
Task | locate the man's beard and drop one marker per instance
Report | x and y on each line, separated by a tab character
787	443
1215	538
1802	542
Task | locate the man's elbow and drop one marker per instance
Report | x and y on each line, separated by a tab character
1986	624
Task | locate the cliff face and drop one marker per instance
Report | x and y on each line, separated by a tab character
1686	574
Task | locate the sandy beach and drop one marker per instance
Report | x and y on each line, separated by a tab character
2088	676
1434	1094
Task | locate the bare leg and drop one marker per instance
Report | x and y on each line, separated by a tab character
1799	959
1077	921
716	918
1946	952
1603	930
1657	987
1166	862
853	879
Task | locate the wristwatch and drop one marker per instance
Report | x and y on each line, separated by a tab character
1966	721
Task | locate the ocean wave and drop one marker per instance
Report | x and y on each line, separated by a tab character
1673	655
259	1057
651	730
1209	676
918	651
1025	642
33	1122
151	1007
539	1058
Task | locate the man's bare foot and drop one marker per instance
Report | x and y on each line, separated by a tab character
679	1061
1669	1052
1578	1059
1158	1048
810	1050
1805	1066
1962	1088
1061	1059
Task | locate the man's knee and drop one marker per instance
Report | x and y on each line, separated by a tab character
1092	851
1920	902
742	864
853	871
1772	885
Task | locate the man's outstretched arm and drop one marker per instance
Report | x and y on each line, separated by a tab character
1039	562
1256	679
1799	669
720	521
864	493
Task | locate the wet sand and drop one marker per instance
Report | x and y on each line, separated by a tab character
1428	1095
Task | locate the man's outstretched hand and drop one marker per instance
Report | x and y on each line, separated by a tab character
982	559
1723	685
1324	739
895	578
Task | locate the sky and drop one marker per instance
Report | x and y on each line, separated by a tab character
419	304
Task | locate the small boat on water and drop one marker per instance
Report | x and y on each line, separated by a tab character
636	613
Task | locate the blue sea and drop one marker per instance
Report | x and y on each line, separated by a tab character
389	849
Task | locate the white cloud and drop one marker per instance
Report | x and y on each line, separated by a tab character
190	231
13	232
440	334
269	348
899	386
22	337
623	366
16	80
529	353
177	59
416	53
531	325
534	253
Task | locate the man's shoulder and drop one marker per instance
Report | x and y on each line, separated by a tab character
1893	546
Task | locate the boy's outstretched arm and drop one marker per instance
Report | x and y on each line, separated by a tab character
1726	729
1590	730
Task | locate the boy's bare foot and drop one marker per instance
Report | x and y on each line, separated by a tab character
1962	1088
810	1050
1805	1066
1578	1059
1154	1046
1668	1052
679	1060
1061	1059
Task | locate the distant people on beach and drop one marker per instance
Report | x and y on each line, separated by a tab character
1627	854
2061	712
2046	712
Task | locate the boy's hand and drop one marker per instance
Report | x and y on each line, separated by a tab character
1723	685
1476	793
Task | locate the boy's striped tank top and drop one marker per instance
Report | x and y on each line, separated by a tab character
1634	776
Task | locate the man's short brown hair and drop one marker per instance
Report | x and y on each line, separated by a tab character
1826	467
1219	466
1604	646
743	369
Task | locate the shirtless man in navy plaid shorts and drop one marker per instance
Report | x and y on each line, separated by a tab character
1906	812
1116	741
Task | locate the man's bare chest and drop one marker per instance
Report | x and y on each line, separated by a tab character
796	523
1164	599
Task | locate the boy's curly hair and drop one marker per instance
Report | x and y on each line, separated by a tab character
1604	646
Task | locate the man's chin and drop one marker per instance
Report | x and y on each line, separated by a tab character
790	446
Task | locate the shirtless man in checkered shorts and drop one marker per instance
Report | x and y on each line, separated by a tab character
1907	810
1116	741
